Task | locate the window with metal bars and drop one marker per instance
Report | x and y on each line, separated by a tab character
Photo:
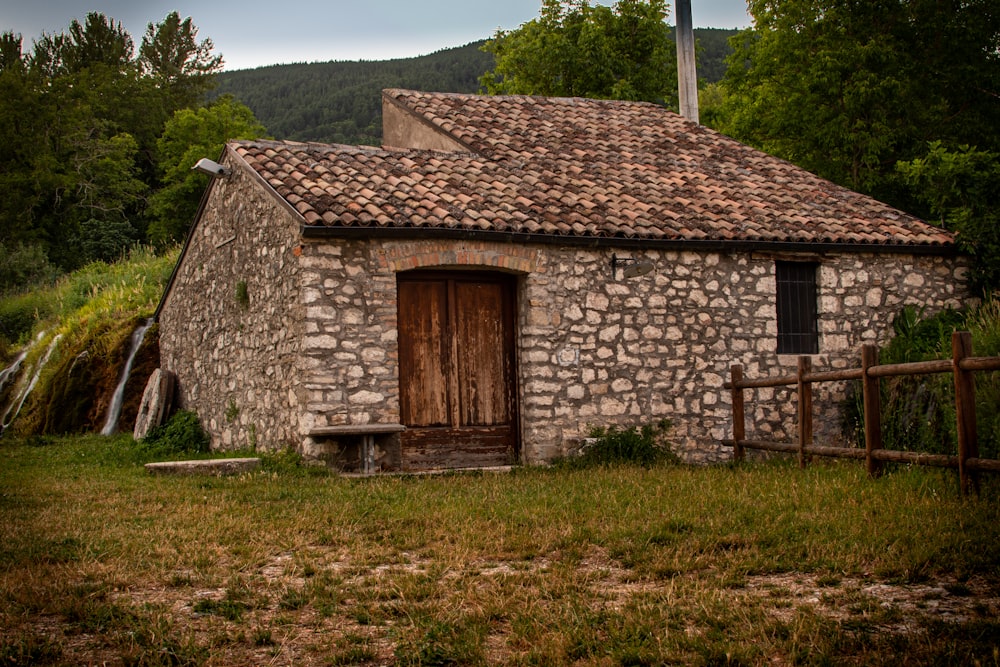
797	314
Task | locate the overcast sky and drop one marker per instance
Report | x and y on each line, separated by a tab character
251	33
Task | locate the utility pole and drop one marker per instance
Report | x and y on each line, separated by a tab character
687	74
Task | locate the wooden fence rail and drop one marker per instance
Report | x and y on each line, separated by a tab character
962	365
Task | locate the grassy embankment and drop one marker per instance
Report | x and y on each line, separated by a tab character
93	311
762	564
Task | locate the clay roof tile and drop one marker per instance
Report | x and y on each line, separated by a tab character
576	167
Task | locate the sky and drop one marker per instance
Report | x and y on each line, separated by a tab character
252	33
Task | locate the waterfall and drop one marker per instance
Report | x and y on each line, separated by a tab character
12	411
9	374
115	409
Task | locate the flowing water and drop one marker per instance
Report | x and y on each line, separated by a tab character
115	409
12	411
9	374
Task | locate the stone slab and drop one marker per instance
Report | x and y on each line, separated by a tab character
217	467
156	402
356	429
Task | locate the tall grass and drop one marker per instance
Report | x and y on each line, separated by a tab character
92	296
93	312
758	564
918	412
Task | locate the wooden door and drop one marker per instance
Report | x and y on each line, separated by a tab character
456	370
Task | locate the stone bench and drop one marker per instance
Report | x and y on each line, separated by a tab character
217	467
366	432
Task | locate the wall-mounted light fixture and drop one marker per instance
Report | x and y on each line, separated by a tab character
211	167
630	266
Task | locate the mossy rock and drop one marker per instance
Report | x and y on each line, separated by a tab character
75	393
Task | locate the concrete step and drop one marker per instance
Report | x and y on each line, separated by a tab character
216	467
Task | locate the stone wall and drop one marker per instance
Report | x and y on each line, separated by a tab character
597	351
231	325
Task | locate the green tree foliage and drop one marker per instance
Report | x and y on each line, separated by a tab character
341	102
181	65
189	136
847	89
10	52
99	41
80	116
23	265
712	48
961	188
108	193
575	49
918	411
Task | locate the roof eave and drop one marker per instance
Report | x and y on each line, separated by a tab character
716	245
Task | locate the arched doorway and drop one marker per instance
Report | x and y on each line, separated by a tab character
457	380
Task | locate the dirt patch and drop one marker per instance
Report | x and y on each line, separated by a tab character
322	608
947	599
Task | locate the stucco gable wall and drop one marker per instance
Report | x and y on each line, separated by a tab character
402	129
597	351
236	359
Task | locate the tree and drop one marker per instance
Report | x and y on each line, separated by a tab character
189	136
575	49
108	195
847	89
97	42
183	66
11	57
962	190
80	116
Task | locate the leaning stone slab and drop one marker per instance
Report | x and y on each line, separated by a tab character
156	402
215	467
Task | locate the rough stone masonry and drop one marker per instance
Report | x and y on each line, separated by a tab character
272	336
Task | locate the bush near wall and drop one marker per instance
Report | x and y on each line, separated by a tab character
918	412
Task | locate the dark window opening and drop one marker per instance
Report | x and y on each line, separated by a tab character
797	314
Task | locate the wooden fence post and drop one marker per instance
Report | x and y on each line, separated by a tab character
872	401
965	411
739	415
805	411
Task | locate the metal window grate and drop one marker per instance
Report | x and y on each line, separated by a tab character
797	314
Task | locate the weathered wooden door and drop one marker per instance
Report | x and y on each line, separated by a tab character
456	370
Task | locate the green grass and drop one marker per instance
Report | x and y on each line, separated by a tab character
96	294
93	312
758	564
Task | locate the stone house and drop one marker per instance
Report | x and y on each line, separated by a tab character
508	271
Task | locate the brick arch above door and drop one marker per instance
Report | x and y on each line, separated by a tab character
406	256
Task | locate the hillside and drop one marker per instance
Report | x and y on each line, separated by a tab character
339	102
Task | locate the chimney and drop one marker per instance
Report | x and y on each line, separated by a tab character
687	75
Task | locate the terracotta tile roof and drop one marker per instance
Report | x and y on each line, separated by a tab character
575	168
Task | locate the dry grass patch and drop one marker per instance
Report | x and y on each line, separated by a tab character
764	564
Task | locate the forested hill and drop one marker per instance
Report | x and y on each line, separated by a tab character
713	48
340	102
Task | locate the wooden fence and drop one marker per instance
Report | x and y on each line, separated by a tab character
962	364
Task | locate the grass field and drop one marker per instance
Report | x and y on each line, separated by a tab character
759	564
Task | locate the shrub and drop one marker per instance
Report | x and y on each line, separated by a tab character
23	267
645	446
918	412
181	434
20	313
